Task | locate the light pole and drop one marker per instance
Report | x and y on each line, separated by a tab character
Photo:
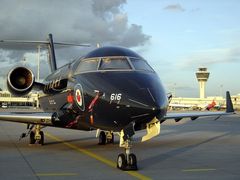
38	72
38	63
174	89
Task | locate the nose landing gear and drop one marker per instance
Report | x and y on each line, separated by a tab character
126	161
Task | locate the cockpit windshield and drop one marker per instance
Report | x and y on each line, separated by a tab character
114	63
140	64
87	65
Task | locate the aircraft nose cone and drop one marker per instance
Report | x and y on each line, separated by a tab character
158	112
159	102
149	104
145	95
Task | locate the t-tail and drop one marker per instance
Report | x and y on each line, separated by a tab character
52	57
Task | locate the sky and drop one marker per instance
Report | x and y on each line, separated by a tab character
175	37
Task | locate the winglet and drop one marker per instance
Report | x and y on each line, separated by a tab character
229	104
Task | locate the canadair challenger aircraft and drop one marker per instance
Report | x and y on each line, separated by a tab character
110	89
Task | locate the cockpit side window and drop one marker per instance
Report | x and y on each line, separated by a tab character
140	64
87	65
114	63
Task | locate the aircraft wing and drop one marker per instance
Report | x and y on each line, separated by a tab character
194	115
28	117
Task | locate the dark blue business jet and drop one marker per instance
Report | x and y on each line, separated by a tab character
110	89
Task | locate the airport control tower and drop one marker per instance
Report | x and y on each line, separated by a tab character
202	77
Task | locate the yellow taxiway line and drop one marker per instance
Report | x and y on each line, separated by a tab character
198	170
56	174
97	157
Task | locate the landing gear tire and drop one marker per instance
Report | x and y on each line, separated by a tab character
121	161
128	160
32	138
36	137
41	141
133	161
102	138
125	164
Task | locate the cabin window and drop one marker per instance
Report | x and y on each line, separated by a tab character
141	65
87	65
114	63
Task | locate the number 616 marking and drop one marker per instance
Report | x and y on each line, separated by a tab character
115	97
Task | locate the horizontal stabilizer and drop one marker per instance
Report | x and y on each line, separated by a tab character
43	43
50	45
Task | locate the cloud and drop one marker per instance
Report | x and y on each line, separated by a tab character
85	21
180	90
9	57
179	86
107	7
133	36
211	57
174	8
195	10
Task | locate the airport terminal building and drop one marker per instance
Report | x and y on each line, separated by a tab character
9	100
183	103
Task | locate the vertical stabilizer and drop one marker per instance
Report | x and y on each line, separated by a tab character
52	59
229	104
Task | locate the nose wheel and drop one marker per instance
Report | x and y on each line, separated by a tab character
127	161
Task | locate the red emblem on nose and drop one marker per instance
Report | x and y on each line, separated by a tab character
78	97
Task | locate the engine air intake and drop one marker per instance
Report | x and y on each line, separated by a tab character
20	80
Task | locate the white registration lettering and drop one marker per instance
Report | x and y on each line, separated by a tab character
115	97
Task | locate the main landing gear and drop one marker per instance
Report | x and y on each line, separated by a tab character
127	161
105	137
35	135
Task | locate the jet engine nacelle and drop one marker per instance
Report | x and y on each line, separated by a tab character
20	81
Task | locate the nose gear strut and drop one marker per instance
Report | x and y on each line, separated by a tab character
127	161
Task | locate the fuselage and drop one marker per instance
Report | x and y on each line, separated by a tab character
107	89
